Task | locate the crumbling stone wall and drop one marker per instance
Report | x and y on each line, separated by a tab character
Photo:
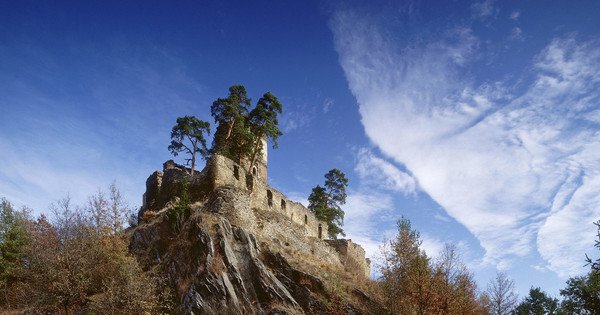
263	197
352	255
162	187
223	173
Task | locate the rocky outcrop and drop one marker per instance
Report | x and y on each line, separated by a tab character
227	259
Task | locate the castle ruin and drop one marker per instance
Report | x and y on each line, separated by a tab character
221	172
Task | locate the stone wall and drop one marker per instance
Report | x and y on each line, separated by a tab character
265	198
221	172
351	254
162	187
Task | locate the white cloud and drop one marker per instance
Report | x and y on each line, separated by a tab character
377	172
441	217
514	15
296	119
516	169
516	34
327	104
482	10
431	245
364	213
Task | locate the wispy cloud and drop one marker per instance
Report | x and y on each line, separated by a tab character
484	9
54	143
514	15
375	171
372	203
363	213
515	167
297	118
516	34
327	104
441	217
431	245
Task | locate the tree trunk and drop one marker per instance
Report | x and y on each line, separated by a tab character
194	158
230	129
253	160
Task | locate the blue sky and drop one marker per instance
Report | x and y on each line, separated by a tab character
479	121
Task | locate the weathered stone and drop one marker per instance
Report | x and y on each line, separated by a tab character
352	255
246	249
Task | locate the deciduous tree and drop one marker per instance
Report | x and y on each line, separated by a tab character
453	285
405	272
13	243
503	297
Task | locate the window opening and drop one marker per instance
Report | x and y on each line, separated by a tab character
236	172
249	182
270	198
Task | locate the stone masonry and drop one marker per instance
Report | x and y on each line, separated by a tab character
223	172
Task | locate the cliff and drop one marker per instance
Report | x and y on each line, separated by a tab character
246	249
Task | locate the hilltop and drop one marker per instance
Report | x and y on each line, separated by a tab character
245	247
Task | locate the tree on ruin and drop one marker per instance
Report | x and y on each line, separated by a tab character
188	136
325	202
233	138
263	123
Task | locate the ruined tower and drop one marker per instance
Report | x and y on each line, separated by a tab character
259	169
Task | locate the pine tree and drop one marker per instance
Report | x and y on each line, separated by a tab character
188	136
325	202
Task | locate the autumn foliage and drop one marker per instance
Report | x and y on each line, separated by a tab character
414	284
77	262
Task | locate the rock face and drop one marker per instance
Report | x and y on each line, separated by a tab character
215	267
233	256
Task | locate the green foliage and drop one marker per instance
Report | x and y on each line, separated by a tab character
537	303
325	202
263	123
13	243
240	130
595	264
181	211
188	136
336	183
233	138
582	294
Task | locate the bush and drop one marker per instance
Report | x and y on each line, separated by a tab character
182	210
